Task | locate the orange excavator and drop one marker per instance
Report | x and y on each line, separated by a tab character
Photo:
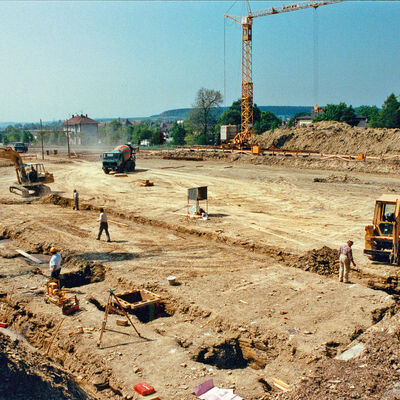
31	178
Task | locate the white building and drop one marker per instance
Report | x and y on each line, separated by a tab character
83	130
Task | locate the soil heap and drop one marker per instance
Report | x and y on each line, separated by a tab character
323	261
332	137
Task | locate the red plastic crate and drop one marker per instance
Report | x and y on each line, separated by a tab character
144	388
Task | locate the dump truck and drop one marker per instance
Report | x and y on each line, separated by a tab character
382	237
121	159
31	178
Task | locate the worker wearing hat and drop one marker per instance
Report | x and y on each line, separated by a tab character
55	263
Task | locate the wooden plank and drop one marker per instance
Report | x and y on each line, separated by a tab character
32	258
118	223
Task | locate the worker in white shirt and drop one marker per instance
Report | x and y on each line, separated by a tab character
55	264
103	225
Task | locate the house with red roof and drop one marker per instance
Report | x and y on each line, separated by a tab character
83	130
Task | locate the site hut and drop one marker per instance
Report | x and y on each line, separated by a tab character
83	130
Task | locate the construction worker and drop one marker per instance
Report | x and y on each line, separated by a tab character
345	258
32	175
103	225
55	263
76	200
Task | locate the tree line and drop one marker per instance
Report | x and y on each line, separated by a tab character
202	126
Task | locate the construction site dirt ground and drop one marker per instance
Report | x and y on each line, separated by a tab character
248	307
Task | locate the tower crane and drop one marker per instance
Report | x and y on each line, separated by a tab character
241	139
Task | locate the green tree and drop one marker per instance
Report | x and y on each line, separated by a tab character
338	112
267	122
27	137
202	117
372	113
390	114
178	133
229	117
14	136
157	137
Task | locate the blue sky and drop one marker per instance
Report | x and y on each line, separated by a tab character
138	58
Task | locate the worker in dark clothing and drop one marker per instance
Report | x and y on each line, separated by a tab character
33	176
76	200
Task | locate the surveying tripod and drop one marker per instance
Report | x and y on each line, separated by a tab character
112	296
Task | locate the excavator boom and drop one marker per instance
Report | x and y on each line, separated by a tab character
10	154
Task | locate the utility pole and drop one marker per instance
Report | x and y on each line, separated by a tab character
69	149
41	136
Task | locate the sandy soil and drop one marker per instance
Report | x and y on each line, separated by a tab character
245	311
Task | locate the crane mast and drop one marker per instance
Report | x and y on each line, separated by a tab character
243	136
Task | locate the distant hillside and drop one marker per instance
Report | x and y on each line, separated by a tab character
279	111
181	113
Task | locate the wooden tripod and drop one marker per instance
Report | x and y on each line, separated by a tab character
109	304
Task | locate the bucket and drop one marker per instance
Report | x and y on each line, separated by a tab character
171	280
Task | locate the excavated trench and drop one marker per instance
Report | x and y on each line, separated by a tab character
87	273
25	375
227	355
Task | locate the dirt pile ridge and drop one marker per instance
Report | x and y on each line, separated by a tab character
323	261
332	137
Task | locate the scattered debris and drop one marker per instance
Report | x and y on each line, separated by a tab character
281	385
144	182
207	391
54	336
354	351
80	330
144	388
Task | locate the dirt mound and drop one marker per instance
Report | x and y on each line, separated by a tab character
332	137
373	376
338	179
323	261
58	200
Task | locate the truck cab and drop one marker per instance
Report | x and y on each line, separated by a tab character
382	237
112	161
